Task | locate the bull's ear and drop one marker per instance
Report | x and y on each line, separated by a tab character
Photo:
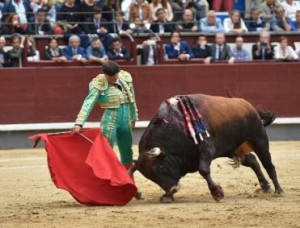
156	152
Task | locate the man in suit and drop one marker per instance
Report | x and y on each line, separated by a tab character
40	26
201	49
118	51
73	51
161	25
177	49
120	26
263	50
220	51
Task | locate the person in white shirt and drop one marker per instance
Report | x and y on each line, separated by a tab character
285	52
235	24
290	8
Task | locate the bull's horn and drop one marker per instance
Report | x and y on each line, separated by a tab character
156	151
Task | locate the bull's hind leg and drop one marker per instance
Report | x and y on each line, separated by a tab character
260	145
205	159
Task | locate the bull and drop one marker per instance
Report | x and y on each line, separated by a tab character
167	152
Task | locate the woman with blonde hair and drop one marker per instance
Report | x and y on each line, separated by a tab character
33	55
141	9
235	23
164	4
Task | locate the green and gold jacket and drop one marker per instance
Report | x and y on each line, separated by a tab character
109	96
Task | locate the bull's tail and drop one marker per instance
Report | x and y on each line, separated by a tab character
266	116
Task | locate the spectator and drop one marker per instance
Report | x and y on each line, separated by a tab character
96	51
217	5
297	22
281	23
202	50
161	25
73	51
161	4
3	54
263	50
199	7
235	24
178	49
220	50
20	7
121	26
13	25
211	23
109	8
47	6
285	52
69	16
256	24
188	24
251	4
139	27
33	54
41	25
118	51
268	8
290	8
14	56
141	9
238	52
87	9
53	52
148	51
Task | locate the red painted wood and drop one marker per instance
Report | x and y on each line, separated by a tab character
55	94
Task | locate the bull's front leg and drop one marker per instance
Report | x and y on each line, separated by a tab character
204	169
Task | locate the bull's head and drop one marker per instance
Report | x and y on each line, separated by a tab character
157	166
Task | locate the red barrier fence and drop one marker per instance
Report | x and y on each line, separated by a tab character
55	94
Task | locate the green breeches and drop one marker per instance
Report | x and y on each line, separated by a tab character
116	127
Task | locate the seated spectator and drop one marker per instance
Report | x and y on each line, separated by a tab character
217	5
202	49
281	23
178	49
41	25
238	52
53	52
96	51
13	25
220	50
285	52
256	23
249	5
188	24
263	50
69	17
118	51
268	8
22	8
73	51
15	55
211	23
33	55
121	26
161	4
109	8
297	22
148	51
161	25
141	9
87	9
139	27
290	8
235	24
3	54
48	6
198	7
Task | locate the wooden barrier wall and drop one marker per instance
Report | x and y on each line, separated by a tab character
55	94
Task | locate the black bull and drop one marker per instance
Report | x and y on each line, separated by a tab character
167	152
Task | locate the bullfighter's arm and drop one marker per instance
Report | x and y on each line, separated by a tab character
133	107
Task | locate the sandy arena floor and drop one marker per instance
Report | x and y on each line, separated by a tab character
29	199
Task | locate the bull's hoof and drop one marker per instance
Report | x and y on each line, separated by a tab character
266	188
167	199
217	193
279	192
138	196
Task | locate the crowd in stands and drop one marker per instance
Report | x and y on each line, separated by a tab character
94	29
